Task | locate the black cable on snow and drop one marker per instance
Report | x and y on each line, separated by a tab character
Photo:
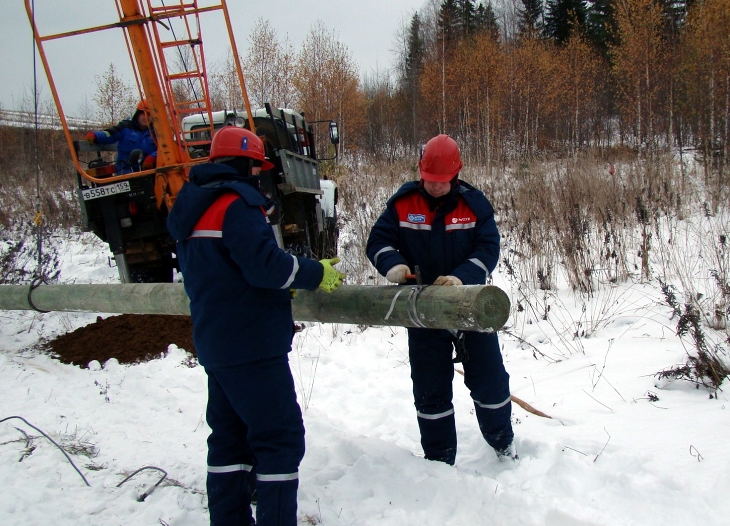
146	493
52	442
141	497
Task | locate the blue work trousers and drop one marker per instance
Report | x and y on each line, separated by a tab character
432	372
256	425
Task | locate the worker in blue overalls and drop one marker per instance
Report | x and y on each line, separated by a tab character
446	227
239	283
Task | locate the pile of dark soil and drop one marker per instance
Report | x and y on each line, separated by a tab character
130	338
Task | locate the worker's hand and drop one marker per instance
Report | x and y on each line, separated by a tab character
398	273
90	137
149	162
447	281
332	278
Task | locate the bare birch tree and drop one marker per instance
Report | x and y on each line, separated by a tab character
114	98
327	83
261	63
225	89
638	60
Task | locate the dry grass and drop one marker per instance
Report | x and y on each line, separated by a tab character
39	173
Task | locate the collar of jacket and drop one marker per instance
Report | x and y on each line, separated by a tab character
445	200
210	175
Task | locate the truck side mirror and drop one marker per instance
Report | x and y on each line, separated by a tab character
334	133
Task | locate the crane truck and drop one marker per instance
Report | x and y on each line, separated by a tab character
128	211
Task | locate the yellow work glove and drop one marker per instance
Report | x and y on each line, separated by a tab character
332	278
447	281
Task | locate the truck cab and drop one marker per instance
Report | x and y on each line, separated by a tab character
124	214
304	219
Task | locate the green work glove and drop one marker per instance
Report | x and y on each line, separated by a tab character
331	279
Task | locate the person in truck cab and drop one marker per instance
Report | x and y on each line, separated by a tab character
446	228
240	286
130	135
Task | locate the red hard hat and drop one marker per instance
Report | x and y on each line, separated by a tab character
232	141
441	160
142	105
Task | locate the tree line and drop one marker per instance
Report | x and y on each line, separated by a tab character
519	79
509	81
562	75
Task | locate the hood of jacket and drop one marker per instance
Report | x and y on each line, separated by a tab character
206	183
135	123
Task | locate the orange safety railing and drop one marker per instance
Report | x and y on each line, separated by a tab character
156	79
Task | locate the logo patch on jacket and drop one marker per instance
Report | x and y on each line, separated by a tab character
461	219
416	218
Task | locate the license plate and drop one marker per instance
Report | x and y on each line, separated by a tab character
103	191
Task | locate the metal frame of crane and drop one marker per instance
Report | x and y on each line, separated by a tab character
140	21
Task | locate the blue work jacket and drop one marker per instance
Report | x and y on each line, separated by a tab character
236	276
128	136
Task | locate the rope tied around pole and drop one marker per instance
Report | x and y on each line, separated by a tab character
38	219
411	309
411	306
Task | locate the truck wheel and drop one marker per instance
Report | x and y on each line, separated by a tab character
161	273
328	238
153	275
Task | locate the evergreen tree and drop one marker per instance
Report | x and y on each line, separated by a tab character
675	13
467	20
601	24
449	26
563	17
414	59
485	20
416	49
530	18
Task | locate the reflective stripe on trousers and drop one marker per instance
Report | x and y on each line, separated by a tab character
436	416
230	469
256	426
493	406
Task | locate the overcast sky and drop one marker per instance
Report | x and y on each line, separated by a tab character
368	29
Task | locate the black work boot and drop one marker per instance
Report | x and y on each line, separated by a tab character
508	453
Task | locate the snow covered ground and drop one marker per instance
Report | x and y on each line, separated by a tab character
620	450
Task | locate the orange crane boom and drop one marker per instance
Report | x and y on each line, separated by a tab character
156	78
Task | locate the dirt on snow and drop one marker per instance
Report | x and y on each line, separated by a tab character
130	338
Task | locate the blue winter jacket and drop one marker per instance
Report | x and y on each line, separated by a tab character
128	136
236	276
457	238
